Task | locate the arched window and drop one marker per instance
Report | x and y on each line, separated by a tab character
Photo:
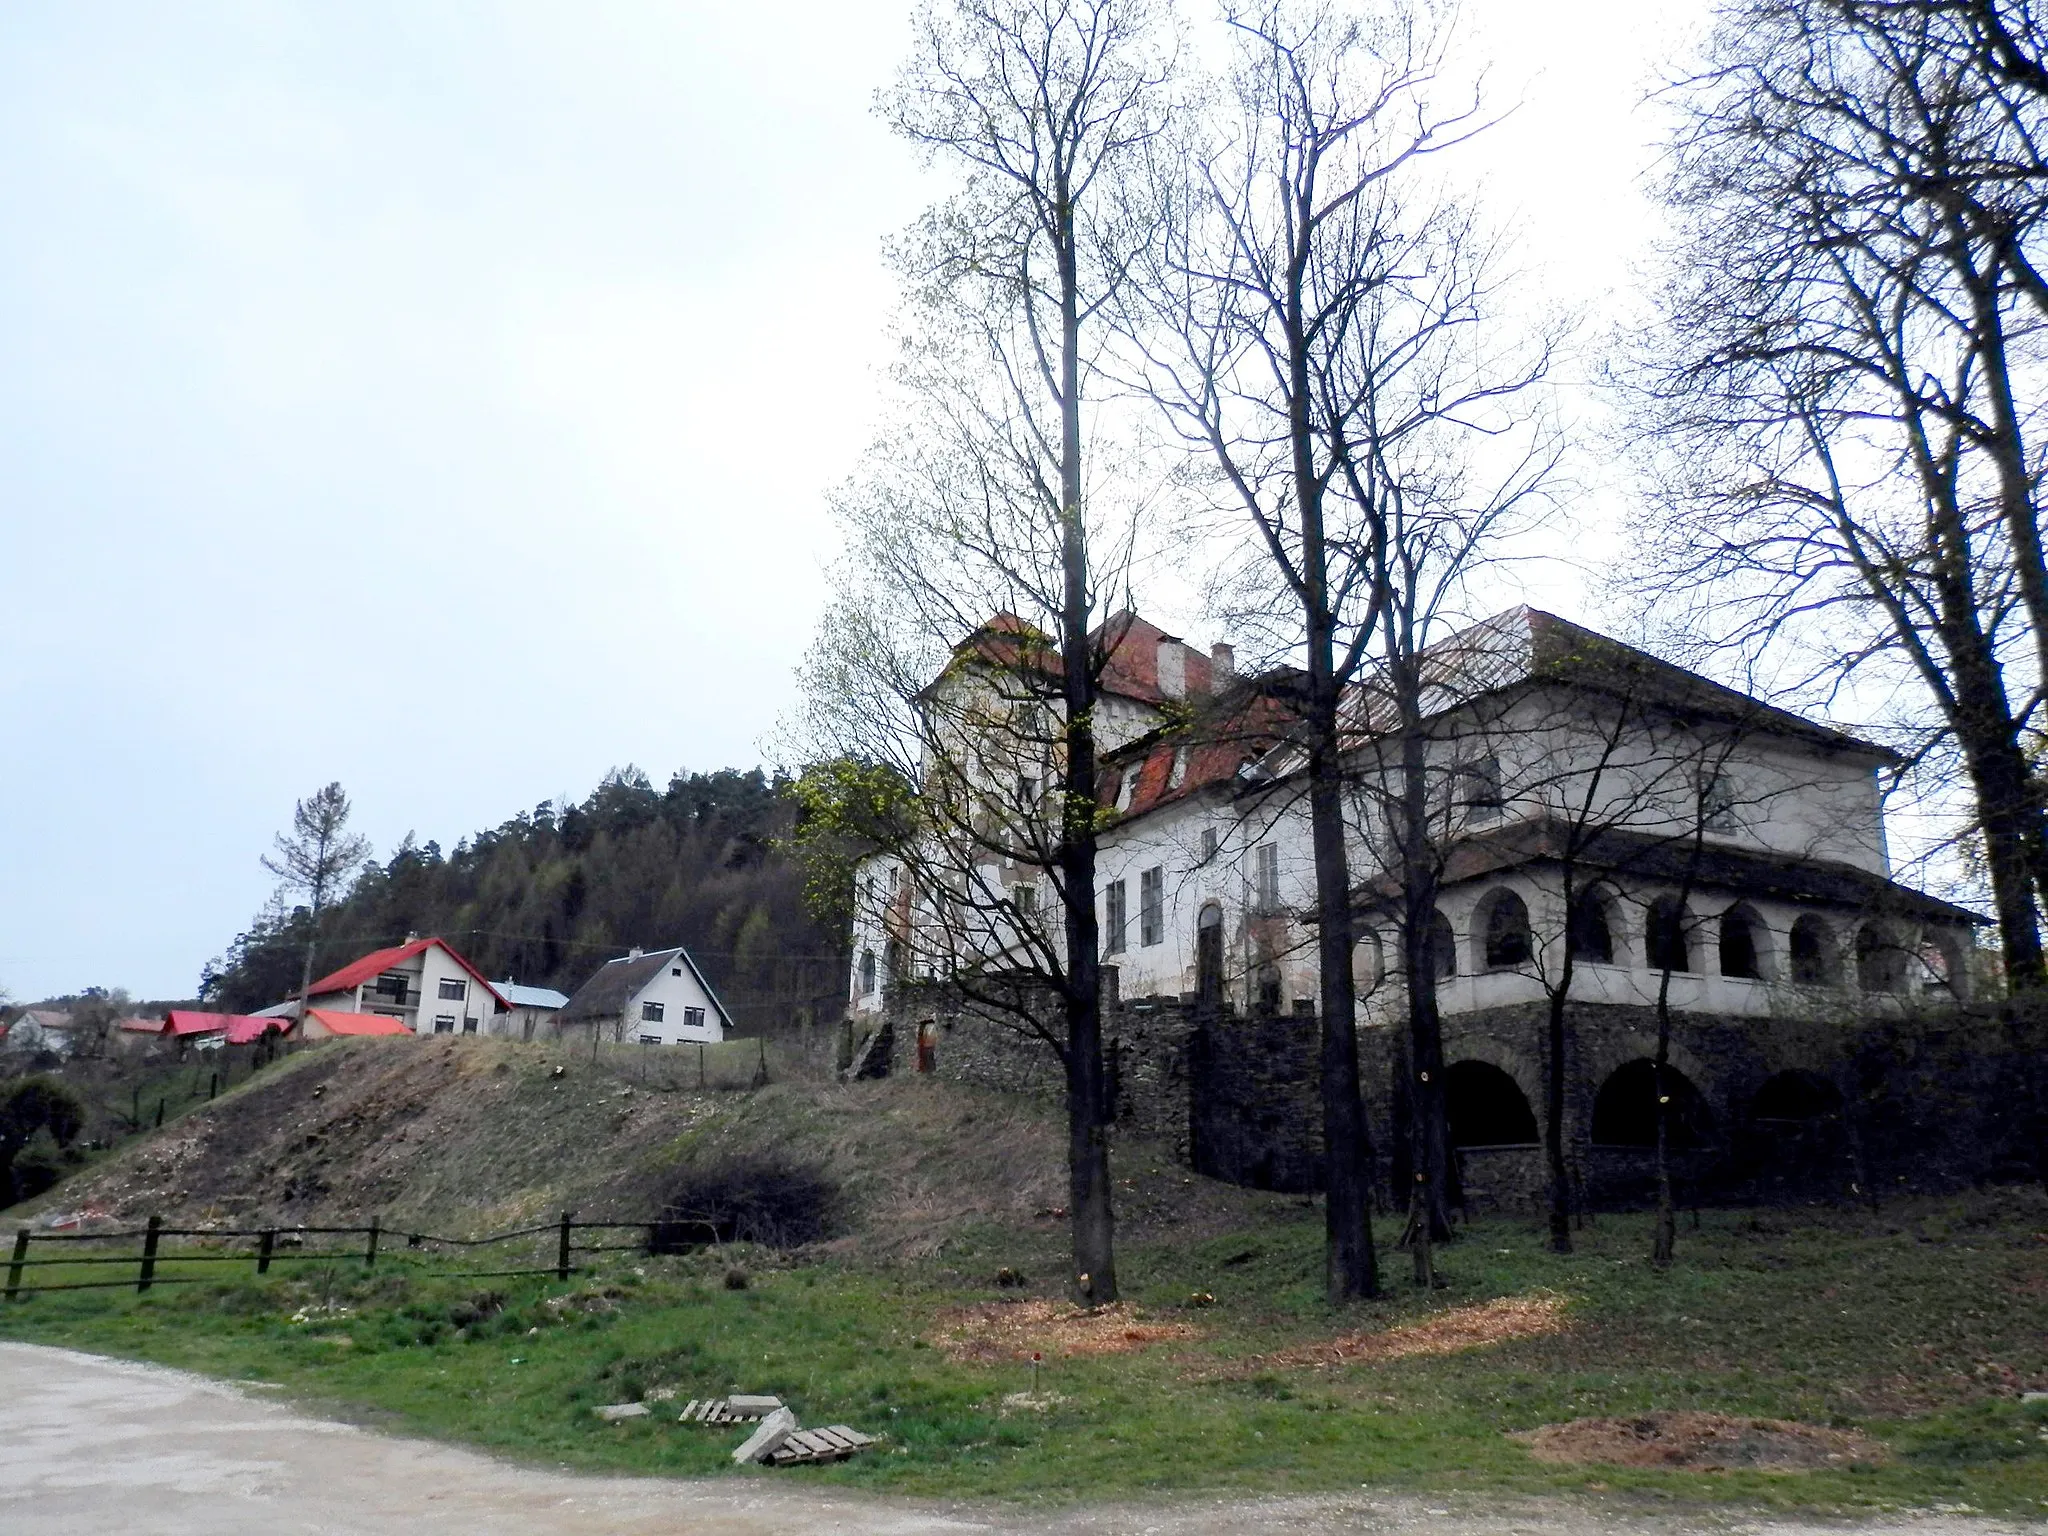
1486	1107
1209	953
1269	988
867	973
1368	963
1815	961
1941	965
1665	944
1742	943
1625	1109
1880	961
1591	928
1443	947
1505	922
1796	1096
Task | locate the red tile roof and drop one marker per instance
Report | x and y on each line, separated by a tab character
181	1023
1131	654
374	964
338	1023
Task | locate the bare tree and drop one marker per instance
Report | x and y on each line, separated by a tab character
1842	393
1040	105
313	859
1320	321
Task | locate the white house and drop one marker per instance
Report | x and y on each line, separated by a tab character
1702	831
656	998
422	983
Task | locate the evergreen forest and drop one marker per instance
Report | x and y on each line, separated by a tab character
546	898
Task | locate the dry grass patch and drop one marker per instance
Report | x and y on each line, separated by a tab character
1475	1327
1707	1442
994	1331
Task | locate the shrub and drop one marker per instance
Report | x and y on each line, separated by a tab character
761	1199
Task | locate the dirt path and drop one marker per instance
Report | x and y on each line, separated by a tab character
89	1445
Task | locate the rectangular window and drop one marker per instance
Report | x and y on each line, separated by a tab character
1026	898
468	1024
650	1039
676	970
1717	803
392	986
1152	906
453	990
1479	789
444	1024
650	1013
1114	917
693	1018
1208	844
1266	877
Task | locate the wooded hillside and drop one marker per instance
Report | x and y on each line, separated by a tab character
549	896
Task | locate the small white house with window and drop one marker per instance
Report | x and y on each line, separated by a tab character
423	983
656	997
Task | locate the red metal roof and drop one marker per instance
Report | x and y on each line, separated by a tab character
180	1023
374	964
338	1023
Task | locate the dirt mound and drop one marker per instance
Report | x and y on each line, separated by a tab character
994	1331
1473	1327
1707	1442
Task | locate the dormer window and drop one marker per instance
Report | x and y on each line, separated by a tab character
1127	791
1177	775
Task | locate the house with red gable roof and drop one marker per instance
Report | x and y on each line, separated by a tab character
423	984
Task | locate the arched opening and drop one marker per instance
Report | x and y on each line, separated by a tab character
1940	965
1443	947
927	1045
1269	988
1486	1107
1505	925
867	973
1590	928
1665	940
1625	1109
1814	956
1368	964
892	968
1880	961
1742	943
1797	1097
1209	954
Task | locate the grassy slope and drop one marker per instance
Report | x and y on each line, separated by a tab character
1921	1322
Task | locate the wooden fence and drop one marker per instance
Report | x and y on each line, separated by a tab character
274	1245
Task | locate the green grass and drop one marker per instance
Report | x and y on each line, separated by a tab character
1920	1324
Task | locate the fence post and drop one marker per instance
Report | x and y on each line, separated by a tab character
213	1088
149	1240
562	1248
370	1253
264	1242
700	1063
159	1114
20	1257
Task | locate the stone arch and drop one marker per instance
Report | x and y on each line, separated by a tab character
1880	960
1796	1095
1625	1108
1486	1107
1368	962
1593	928
1744	944
1816	957
1501	928
1443	946
1667	935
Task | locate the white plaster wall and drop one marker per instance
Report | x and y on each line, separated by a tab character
676	987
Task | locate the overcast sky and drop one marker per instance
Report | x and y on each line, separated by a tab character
440	398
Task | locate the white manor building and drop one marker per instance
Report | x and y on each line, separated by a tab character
1701	831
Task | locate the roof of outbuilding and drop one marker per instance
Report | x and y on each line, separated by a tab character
530	997
378	961
339	1023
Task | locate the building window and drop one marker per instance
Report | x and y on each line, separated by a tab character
1666	943
675	970
693	1018
469	1024
1507	932
1266	877
1177	774
1717	803
1025	898
867	973
650	1039
453	989
1208	844
444	1024
1115	915
1152	906
650	1013
1479	789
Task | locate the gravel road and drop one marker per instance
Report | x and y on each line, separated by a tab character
90	1446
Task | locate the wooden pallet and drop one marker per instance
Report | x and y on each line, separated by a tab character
719	1410
835	1443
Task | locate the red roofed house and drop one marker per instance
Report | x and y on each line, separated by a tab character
423	984
190	1026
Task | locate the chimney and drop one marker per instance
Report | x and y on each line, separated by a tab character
1222	664
1173	668
635	952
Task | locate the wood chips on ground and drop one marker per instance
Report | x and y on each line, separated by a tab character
1445	1333
1707	1442
994	1331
